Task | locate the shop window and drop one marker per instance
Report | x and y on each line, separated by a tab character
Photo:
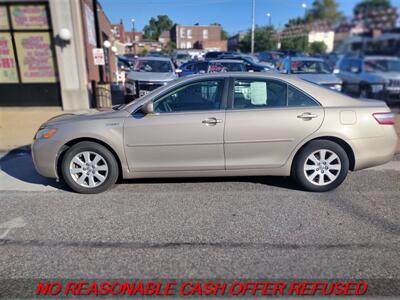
3	18
35	57
8	68
29	17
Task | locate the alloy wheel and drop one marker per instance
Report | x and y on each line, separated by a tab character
88	169
322	167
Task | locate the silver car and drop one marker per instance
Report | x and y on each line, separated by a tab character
221	124
148	74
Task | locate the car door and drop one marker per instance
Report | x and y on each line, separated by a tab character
265	121
185	132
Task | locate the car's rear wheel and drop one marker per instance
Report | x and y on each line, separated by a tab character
321	166
89	168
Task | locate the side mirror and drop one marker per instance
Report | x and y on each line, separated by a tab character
148	108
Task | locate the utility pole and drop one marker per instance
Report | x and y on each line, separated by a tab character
253	25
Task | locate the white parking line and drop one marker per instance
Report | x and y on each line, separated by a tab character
13	223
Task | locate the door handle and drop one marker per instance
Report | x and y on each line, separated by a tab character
211	121
307	116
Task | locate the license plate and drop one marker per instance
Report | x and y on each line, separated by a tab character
142	93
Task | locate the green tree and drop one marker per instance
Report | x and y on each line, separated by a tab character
156	26
317	48
296	43
366	6
264	40
324	10
224	34
169	47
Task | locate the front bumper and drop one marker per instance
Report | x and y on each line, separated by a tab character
44	156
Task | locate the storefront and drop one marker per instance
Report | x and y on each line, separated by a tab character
28	68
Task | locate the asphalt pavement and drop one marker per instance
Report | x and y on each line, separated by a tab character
200	228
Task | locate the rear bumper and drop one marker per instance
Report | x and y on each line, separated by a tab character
370	152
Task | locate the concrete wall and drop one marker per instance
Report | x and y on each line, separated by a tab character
70	58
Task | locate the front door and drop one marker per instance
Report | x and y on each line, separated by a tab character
184	134
267	120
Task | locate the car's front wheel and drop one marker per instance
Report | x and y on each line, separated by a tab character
321	166
89	168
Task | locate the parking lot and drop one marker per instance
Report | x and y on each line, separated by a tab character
228	228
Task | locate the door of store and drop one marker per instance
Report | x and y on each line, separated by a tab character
28	70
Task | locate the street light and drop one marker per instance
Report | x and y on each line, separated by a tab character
253	25
269	18
304	5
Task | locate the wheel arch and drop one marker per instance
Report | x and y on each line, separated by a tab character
346	147
75	141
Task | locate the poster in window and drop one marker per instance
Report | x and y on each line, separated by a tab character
8	68
29	17
91	32
35	57
3	18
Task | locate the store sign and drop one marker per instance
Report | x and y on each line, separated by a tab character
29	17
90	29
3	18
98	56
35	57
8	68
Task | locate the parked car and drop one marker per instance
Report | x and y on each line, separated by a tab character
370	77
180	57
250	63
147	74
270	57
211	66
311	69
221	124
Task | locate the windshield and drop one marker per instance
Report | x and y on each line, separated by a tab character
310	67
252	58
159	66
382	65
225	67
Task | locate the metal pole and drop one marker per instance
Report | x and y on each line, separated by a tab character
98	37
253	25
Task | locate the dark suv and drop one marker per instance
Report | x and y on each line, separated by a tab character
370	77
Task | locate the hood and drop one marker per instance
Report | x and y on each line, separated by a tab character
320	78
64	118
152	76
388	75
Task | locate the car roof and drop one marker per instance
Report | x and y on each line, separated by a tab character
154	58
236	61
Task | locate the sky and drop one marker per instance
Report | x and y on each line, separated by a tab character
233	15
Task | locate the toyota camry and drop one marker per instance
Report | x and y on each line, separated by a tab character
222	124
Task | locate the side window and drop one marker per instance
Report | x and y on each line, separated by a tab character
250	94
204	95
297	98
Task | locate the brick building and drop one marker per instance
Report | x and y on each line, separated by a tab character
198	37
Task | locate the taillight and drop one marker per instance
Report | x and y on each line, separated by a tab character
384	118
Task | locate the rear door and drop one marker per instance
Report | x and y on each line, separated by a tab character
266	120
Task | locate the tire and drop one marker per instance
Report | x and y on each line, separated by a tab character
307	170
101	173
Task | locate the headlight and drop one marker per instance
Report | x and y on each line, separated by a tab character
337	87
45	133
376	88
130	84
